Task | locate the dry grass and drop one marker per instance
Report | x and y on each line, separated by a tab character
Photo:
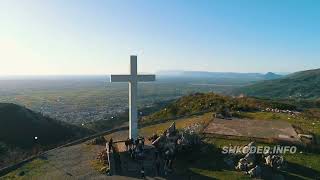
26	171
98	165
180	124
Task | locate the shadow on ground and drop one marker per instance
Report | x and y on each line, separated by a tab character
204	161
125	166
296	171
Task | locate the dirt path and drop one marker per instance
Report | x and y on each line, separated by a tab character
73	162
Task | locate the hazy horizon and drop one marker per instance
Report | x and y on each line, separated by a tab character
97	37
160	72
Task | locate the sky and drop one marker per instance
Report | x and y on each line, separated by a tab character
58	37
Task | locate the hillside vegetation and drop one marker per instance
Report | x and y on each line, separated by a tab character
299	85
242	107
24	132
204	102
19	126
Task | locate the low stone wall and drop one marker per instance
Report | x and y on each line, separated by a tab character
13	167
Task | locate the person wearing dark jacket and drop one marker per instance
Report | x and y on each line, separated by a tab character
110	144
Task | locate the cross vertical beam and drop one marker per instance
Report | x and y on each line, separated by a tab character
133	93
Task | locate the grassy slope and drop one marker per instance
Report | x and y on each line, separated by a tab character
30	169
207	161
19	126
304	84
307	164
305	122
301	165
180	123
206	102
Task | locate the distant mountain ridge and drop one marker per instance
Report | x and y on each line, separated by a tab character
303	84
271	75
228	75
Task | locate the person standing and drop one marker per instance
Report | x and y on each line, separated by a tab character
157	165
142	173
127	142
110	144
142	142
136	142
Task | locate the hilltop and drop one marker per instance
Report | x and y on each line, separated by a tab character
210	102
301	85
24	132
79	161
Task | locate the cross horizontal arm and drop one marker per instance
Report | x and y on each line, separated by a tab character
120	78
145	78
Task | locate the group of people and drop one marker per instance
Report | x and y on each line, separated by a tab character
135	147
165	150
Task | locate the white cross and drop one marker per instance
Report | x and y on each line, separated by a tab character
133	79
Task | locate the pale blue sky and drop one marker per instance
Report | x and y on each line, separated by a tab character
97	36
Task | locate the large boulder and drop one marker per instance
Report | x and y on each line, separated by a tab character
99	141
255	172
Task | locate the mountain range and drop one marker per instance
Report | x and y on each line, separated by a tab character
299	85
219	75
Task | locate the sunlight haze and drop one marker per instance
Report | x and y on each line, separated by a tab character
97	37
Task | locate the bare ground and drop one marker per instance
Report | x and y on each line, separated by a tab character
253	128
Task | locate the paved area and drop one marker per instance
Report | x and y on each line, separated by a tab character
253	128
73	162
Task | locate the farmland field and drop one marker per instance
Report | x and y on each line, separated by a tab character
84	99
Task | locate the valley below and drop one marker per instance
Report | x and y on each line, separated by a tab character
83	106
81	100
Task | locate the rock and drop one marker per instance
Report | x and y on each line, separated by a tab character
98	141
307	136
274	161
103	169
250	157
277	161
172	128
242	165
108	172
268	160
102	156
255	172
246	149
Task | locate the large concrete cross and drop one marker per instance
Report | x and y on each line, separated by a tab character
133	79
